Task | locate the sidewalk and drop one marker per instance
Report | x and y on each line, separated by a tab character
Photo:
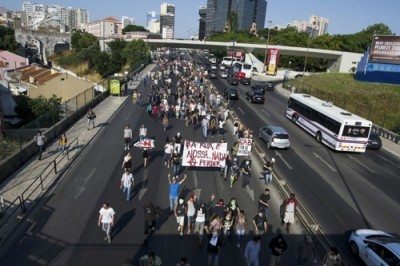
25	179
388	145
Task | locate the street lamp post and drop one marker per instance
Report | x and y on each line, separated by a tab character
266	48
305	59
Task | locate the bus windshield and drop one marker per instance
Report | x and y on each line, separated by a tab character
355	131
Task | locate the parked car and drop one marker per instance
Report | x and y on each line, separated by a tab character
232	80
246	81
274	137
375	247
224	74
259	88
231	93
213	67
270	86
374	141
255	96
213	74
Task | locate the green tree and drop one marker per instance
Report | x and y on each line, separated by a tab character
102	64
7	39
81	40
135	51
129	28
41	105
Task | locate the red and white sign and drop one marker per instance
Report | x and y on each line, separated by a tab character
244	148
204	154
145	144
238	54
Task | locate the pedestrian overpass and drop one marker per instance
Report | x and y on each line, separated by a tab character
339	61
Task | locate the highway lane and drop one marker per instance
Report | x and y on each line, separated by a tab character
343	190
64	231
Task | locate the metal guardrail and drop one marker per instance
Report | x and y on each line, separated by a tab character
20	201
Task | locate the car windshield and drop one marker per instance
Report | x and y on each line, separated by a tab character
258	93
282	136
245	66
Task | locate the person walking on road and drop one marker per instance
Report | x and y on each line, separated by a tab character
267	171
145	155
180	211
174	187
260	223
234	172
252	251
63	142
176	162
150	259
150	219
200	222
263	202
40	140
204	125
91	115
142	133
246	174
278	246
240	226
168	148
165	122
213	248
127	163
305	250
127	137
126	184
106	220
290	206
191	211
333	258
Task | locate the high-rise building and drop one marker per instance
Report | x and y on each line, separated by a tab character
247	11
202	22
127	21
167	20
320	25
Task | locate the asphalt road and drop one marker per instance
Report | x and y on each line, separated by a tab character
344	191
63	229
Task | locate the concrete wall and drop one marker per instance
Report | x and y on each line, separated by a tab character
345	63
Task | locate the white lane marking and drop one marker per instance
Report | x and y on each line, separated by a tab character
265	112
82	188
250	192
389	161
283	160
325	162
360	163
240	109
89	176
80	191
143	190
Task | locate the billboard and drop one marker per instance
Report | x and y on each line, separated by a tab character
115	86
204	154
239	54
385	49
272	60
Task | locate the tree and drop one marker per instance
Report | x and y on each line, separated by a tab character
102	64
7	39
131	27
81	40
135	51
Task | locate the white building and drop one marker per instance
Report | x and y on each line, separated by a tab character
154	26
320	24
167	32
127	21
106	27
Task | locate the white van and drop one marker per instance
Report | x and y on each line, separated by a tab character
245	68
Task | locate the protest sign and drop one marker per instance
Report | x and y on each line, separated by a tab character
146	143
204	154
244	148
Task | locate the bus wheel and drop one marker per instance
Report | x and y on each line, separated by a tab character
318	137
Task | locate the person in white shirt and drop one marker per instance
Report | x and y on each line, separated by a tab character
126	184
40	141
106	220
142	133
127	137
221	130
168	149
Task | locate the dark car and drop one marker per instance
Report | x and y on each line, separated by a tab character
246	81
374	141
270	86
231	93
255	96
232	80
213	74
258	87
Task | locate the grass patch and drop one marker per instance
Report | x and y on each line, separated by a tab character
379	103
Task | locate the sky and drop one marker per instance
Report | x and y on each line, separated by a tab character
345	16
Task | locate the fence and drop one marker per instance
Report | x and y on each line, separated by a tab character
39	184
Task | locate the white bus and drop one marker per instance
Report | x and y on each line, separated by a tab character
329	124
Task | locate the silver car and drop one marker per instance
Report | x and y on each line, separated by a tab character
274	137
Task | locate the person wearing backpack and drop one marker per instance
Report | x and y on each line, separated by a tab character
180	212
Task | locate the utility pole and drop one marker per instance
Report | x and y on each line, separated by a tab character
305	59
